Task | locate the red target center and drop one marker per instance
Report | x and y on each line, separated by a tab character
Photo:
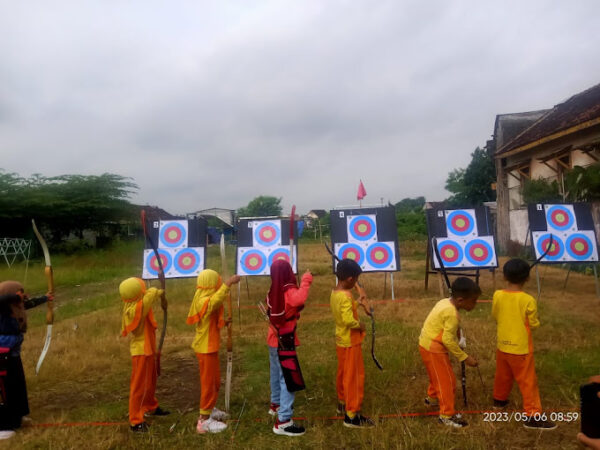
268	233
554	249
460	222
478	252
379	255
187	261
253	261
154	262
449	253
560	218
579	246
362	228
173	235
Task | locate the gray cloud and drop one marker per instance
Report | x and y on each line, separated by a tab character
210	104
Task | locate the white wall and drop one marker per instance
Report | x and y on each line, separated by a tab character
519	225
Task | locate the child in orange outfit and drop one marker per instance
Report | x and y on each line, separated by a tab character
349	334
206	312
516	314
138	321
438	337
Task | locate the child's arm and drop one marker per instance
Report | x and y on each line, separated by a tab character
495	305
217	299
348	316
531	313
297	297
449	338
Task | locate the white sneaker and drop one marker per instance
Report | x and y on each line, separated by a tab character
288	428
217	414
210	426
7	434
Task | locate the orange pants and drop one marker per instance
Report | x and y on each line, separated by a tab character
142	387
442	382
210	380
519	368
350	378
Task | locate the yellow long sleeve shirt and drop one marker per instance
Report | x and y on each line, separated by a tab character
345	313
515	313
138	320
439	332
207	313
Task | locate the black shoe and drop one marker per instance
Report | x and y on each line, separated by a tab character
534	424
456	421
358	421
140	428
433	402
288	428
157	412
500	404
341	408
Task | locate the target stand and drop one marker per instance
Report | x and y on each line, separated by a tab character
574	241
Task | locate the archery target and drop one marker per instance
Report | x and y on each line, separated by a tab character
282	253
480	252
362	229
350	251
151	268
187	261
581	246
461	223
542	240
252	261
380	256
451	253
560	217
173	233
267	234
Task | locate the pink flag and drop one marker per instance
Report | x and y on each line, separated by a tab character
362	192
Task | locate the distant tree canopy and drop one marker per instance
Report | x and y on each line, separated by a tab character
410	219
410	204
261	206
64	204
473	185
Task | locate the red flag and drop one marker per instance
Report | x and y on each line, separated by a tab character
362	192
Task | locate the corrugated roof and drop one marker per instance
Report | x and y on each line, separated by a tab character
577	110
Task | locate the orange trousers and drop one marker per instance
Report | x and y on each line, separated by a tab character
519	368
350	378
142	387
210	380
442	382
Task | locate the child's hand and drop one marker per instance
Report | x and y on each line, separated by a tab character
308	272
470	361
588	442
50	296
233	280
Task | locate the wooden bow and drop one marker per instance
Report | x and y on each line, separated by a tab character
50	311
229	329
163	286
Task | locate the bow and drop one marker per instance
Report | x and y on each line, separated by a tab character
292	217
50	311
362	292
229	330
161	277
463	372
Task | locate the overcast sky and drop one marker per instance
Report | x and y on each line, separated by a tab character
212	103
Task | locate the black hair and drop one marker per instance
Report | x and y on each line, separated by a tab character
516	271
466	288
347	268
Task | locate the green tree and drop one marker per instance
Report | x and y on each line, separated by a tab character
473	185
261	206
540	191
410	205
583	184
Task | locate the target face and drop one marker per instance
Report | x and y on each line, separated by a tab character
151	263
579	246
556	250
362	228
267	234
351	251
187	261
560	217
451	253
253	262
460	222
479	252
280	253
173	234
380	256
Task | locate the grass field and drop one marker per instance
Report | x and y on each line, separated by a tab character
85	376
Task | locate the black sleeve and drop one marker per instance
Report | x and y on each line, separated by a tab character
33	302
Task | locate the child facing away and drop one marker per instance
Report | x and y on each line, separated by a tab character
439	336
138	321
349	334
285	300
515	313
14	406
206	312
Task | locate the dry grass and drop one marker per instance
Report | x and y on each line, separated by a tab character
86	374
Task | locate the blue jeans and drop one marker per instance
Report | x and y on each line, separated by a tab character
279	392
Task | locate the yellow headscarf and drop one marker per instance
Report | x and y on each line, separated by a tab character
207	283
132	291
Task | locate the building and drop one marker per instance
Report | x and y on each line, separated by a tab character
541	144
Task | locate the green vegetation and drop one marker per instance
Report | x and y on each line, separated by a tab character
473	185
261	206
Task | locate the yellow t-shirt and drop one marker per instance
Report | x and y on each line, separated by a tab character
439	332
207	313
515	313
347	326
143	340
